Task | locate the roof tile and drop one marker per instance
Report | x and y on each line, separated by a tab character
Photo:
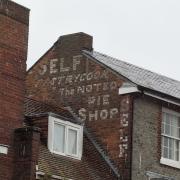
139	76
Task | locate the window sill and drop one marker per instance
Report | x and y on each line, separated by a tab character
168	162
66	155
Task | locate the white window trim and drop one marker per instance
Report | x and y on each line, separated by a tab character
167	161
68	125
67	139
170	162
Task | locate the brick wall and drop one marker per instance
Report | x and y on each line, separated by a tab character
65	77
13	53
147	139
27	142
42	123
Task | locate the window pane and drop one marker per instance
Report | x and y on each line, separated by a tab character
171	125
177	150
171	148
167	118
163	117
167	129
165	142
72	141
59	138
171	143
175	131
174	126
165	152
163	128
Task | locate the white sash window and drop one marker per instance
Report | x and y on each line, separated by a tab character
65	138
170	138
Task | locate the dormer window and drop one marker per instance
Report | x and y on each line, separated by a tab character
65	138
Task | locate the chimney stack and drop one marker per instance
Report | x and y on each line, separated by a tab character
14	24
77	41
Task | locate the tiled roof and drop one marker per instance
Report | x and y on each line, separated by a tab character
91	166
33	107
139	76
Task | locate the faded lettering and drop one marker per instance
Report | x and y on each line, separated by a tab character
124	123
89	88
69	81
98	114
76	61
43	69
62	67
53	66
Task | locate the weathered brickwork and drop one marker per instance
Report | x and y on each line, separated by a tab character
147	139
42	123
13	53
26	153
127	127
64	76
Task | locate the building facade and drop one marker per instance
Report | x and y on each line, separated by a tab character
14	20
125	107
80	114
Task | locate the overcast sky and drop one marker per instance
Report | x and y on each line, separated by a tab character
142	32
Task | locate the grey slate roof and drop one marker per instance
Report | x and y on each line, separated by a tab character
139	76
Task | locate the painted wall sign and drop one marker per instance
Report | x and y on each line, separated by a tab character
124	124
68	80
65	77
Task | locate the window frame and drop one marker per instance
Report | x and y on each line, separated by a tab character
68	125
163	160
67	136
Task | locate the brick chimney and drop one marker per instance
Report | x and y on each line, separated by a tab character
14	22
76	41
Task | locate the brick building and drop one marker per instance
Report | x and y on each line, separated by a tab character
86	115
14	20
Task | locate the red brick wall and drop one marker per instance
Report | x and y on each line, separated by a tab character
42	123
64	76
27	142
13	53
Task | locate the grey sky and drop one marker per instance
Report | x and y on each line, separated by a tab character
142	32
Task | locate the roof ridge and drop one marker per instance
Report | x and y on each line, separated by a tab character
142	68
138	75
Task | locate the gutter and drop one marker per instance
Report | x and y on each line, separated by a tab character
128	88
134	88
161	98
